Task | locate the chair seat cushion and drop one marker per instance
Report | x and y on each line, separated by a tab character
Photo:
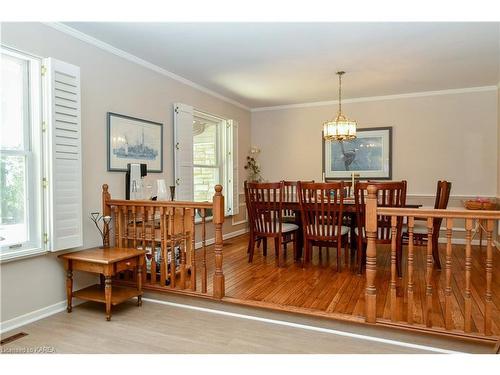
420	227
289	219
343	230
288	227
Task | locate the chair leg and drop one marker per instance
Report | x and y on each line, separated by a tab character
399	256
264	246
362	258
295	245
435	252
346	251
278	243
305	251
339	254
360	254
320	253
251	247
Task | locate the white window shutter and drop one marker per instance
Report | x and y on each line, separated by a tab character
183	152
231	190
62	116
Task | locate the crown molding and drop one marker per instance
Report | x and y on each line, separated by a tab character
378	98
137	60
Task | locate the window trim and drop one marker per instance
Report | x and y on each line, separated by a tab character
33	153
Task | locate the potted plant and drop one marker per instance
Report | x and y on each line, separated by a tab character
252	167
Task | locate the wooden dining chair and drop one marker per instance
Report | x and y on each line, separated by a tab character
251	231
265	201
289	195
321	206
389	194
420	224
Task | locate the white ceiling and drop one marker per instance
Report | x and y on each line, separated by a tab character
267	64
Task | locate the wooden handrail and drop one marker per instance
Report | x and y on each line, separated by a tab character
439	213
148	203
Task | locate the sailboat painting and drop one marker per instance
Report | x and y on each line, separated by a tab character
134	140
368	155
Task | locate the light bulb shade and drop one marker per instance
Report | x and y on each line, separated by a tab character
340	129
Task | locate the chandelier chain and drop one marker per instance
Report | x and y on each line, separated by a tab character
340	93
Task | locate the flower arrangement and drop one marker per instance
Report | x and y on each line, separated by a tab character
252	167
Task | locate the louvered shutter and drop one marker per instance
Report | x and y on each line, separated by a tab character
183	152
231	190
62	115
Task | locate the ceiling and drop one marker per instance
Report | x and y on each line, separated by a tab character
268	64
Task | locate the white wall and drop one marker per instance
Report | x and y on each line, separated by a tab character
109	83
452	137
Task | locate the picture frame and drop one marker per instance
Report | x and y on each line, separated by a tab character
369	156
133	140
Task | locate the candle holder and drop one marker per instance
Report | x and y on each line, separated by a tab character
96	217
172	192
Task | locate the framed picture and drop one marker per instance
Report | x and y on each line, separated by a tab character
369	155
134	140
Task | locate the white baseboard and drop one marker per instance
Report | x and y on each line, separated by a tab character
33	316
226	236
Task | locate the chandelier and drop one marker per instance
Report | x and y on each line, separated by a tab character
340	128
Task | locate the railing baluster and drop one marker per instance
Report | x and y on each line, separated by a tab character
489	273
126	222
172	217
428	275
371	255
468	267
116	211
393	269
411	305
448	292
134	226
143	273
204	246
163	246
182	249
193	250
153	258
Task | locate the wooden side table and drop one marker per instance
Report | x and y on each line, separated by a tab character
106	262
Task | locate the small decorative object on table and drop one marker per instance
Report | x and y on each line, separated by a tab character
96	217
161	190
479	204
172	192
252	166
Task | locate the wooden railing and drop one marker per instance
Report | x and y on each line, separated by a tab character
167	231
483	293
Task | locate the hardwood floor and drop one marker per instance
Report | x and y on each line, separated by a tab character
318	289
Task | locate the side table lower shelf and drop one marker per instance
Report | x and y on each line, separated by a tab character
96	293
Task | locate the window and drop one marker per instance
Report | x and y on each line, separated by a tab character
208	151
20	161
205	154
40	155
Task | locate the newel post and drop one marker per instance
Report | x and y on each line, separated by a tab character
218	219
106	211
371	255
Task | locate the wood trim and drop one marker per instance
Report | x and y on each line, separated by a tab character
325	103
137	60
